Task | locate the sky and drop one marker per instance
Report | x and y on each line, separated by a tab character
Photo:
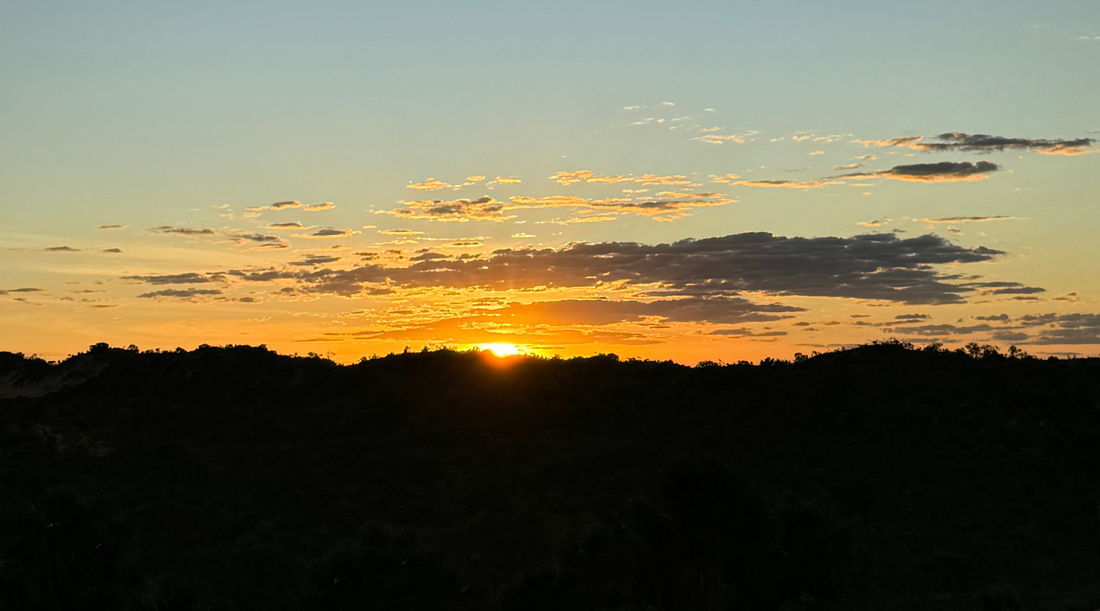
691	181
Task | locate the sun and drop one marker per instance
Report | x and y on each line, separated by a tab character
500	349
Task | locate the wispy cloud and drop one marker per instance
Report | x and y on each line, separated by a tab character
967	219
718	139
587	176
294	205
664	206
874	266
188	231
185	278
327	232
788	184
401	232
903	141
112	227
181	293
944	171
984	143
429	185
981	143
458	210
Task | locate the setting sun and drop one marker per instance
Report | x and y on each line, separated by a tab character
500	349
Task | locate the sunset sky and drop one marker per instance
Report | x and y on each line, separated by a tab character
686	181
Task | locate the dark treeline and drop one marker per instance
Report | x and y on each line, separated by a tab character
881	477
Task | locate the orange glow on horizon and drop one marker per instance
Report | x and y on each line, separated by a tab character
500	349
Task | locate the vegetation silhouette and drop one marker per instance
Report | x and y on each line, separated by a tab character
883	476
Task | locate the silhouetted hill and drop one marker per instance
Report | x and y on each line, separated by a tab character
236	478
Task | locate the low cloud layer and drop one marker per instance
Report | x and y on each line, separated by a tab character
293	205
662	206
187	278
944	171
181	293
188	231
984	143
873	266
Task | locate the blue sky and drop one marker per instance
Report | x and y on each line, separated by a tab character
153	115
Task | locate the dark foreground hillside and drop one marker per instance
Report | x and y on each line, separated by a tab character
234	478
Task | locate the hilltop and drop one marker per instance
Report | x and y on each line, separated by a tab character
883	476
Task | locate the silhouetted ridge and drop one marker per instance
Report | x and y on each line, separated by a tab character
883	476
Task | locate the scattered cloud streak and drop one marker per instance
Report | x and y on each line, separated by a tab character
180	293
944	171
293	205
663	206
984	143
873	267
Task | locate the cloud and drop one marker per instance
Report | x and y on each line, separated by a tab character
1019	290
293	205
429	185
982	143
574	321
850	166
507	180
746	332
910	317
967	219
112	227
314	260
1065	328
181	293
1004	288
25	289
327	232
112	250
788	184
459	210
184	231
522	235
904	141
570	178
288	225
402	232
187	278
872	266
61	249
717	310
940	330
994	318
944	171
665	206
255	237
726	179
721	139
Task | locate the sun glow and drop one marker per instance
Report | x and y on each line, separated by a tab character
500	349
